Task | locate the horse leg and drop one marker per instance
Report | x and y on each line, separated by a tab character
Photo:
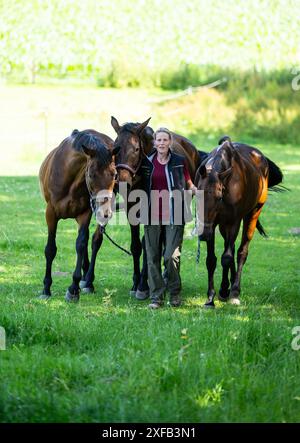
83	221
142	291
229	233
249	225
85	266
90	276
50	250
136	250
232	267
211	263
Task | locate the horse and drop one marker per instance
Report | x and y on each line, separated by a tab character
235	178
134	141
77	179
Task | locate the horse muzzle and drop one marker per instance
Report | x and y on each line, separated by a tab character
125	176
103	216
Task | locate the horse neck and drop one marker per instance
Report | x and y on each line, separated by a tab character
187	149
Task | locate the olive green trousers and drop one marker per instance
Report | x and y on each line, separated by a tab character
171	236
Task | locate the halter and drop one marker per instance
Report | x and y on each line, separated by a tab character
133	171
93	208
92	197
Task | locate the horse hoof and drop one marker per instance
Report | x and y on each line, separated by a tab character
223	299
209	305
71	297
132	293
142	295
44	296
82	284
235	301
87	290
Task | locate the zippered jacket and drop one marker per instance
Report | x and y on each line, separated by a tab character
176	181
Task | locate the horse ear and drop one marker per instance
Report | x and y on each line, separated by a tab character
147	139
115	124
142	126
116	150
88	151
224	139
202	171
229	149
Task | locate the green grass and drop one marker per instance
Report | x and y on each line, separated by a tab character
109	359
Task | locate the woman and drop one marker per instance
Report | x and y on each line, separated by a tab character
165	177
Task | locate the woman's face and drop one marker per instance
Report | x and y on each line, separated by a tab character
162	142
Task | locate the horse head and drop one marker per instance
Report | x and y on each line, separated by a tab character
213	177
100	176
134	140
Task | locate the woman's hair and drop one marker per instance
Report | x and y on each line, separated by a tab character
165	130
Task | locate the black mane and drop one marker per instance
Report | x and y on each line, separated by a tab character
88	140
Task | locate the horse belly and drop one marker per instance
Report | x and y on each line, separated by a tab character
71	208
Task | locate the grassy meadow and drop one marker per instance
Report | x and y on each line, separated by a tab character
108	358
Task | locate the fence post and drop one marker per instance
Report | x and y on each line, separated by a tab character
45	113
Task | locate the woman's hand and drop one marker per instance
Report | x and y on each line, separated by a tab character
191	187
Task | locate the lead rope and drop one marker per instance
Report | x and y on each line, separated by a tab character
196	229
114	243
92	203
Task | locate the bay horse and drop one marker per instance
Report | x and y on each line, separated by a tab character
134	141
77	178
235	179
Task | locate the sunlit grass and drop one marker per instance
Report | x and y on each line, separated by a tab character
113	358
109	358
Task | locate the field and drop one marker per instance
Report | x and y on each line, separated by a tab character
107	358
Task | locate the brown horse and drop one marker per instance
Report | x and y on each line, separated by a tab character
135	140
235	179
77	178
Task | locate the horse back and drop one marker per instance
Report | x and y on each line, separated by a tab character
62	167
185	147
253	174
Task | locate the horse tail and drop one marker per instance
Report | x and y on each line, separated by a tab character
275	174
260	229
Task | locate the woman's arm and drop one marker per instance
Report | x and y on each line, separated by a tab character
191	186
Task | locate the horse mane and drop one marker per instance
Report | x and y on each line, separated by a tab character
85	139
130	127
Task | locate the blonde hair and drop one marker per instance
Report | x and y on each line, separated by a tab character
165	130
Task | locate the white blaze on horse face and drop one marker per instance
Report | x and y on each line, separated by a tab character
104	203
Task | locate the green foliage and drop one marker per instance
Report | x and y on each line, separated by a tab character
142	42
257	104
193	75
